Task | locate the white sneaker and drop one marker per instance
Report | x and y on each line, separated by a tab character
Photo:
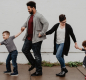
83	66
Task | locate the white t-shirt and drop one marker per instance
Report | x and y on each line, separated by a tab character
60	35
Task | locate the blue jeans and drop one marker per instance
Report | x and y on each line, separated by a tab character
12	56
36	47
59	48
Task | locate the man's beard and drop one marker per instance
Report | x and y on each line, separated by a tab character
31	12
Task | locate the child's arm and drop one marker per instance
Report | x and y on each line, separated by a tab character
18	34
80	48
2	43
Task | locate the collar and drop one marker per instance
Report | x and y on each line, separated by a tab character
35	13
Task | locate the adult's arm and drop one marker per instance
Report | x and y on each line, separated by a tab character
72	34
45	25
73	37
25	24
52	29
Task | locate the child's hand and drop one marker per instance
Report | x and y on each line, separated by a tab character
79	48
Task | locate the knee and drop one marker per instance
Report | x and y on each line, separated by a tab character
7	61
58	57
25	51
37	57
14	63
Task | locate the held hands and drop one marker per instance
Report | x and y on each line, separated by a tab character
76	46
22	29
39	35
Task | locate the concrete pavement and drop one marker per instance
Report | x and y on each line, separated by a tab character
49	73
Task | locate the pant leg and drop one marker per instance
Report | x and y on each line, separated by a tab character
37	53
8	67
59	56
84	61
14	61
26	50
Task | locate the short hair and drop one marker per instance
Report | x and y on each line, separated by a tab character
31	4
84	43
62	17
7	32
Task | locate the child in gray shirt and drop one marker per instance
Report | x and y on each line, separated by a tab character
8	42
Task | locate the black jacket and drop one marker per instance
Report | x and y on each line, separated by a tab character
68	33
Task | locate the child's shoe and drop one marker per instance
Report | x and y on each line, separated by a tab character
7	72
83	66
14	74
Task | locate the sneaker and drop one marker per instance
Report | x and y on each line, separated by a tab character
14	74
7	72
83	66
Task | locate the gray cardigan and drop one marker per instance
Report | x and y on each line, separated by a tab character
40	25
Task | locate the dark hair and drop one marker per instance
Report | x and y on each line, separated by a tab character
7	32
62	17
31	4
84	43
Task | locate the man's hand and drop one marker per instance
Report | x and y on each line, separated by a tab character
22	29
39	35
76	46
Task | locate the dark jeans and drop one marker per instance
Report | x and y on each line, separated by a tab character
12	56
36	47
84	61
